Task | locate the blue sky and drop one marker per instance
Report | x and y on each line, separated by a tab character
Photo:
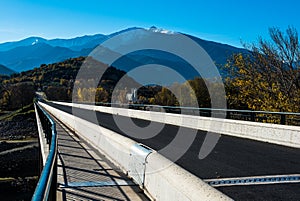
224	21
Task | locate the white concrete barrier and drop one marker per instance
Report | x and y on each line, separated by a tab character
167	181
162	181
42	140
265	132
115	146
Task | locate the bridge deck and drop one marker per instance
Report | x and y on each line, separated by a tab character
232	159
85	174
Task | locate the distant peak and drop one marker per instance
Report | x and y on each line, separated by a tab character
160	30
35	41
153	27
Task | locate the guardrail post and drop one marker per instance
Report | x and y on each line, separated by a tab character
252	116
228	115
282	119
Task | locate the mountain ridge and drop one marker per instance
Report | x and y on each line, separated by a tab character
31	52
27	57
5	71
61	42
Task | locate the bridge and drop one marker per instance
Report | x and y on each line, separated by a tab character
86	156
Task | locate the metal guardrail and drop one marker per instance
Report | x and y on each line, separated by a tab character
252	180
284	118
46	187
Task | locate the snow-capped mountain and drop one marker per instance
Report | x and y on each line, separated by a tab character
160	30
33	51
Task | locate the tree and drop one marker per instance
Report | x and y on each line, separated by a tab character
268	78
4	97
185	94
118	96
165	97
101	95
57	93
201	92
21	94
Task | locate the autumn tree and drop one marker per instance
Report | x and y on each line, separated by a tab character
4	97
57	93
165	97
101	95
185	94
268	78
192	93
118	96
21	94
200	89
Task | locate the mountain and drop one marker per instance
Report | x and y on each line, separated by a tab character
27	57
75	44
26	42
5	71
218	52
32	52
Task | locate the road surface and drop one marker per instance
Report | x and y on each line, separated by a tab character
232	157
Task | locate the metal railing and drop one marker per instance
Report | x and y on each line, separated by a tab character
46	187
284	118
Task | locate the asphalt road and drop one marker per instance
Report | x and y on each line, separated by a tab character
232	157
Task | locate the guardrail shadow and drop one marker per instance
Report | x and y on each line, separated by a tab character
83	177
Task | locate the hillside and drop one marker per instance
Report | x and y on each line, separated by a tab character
5	71
57	81
217	51
27	57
